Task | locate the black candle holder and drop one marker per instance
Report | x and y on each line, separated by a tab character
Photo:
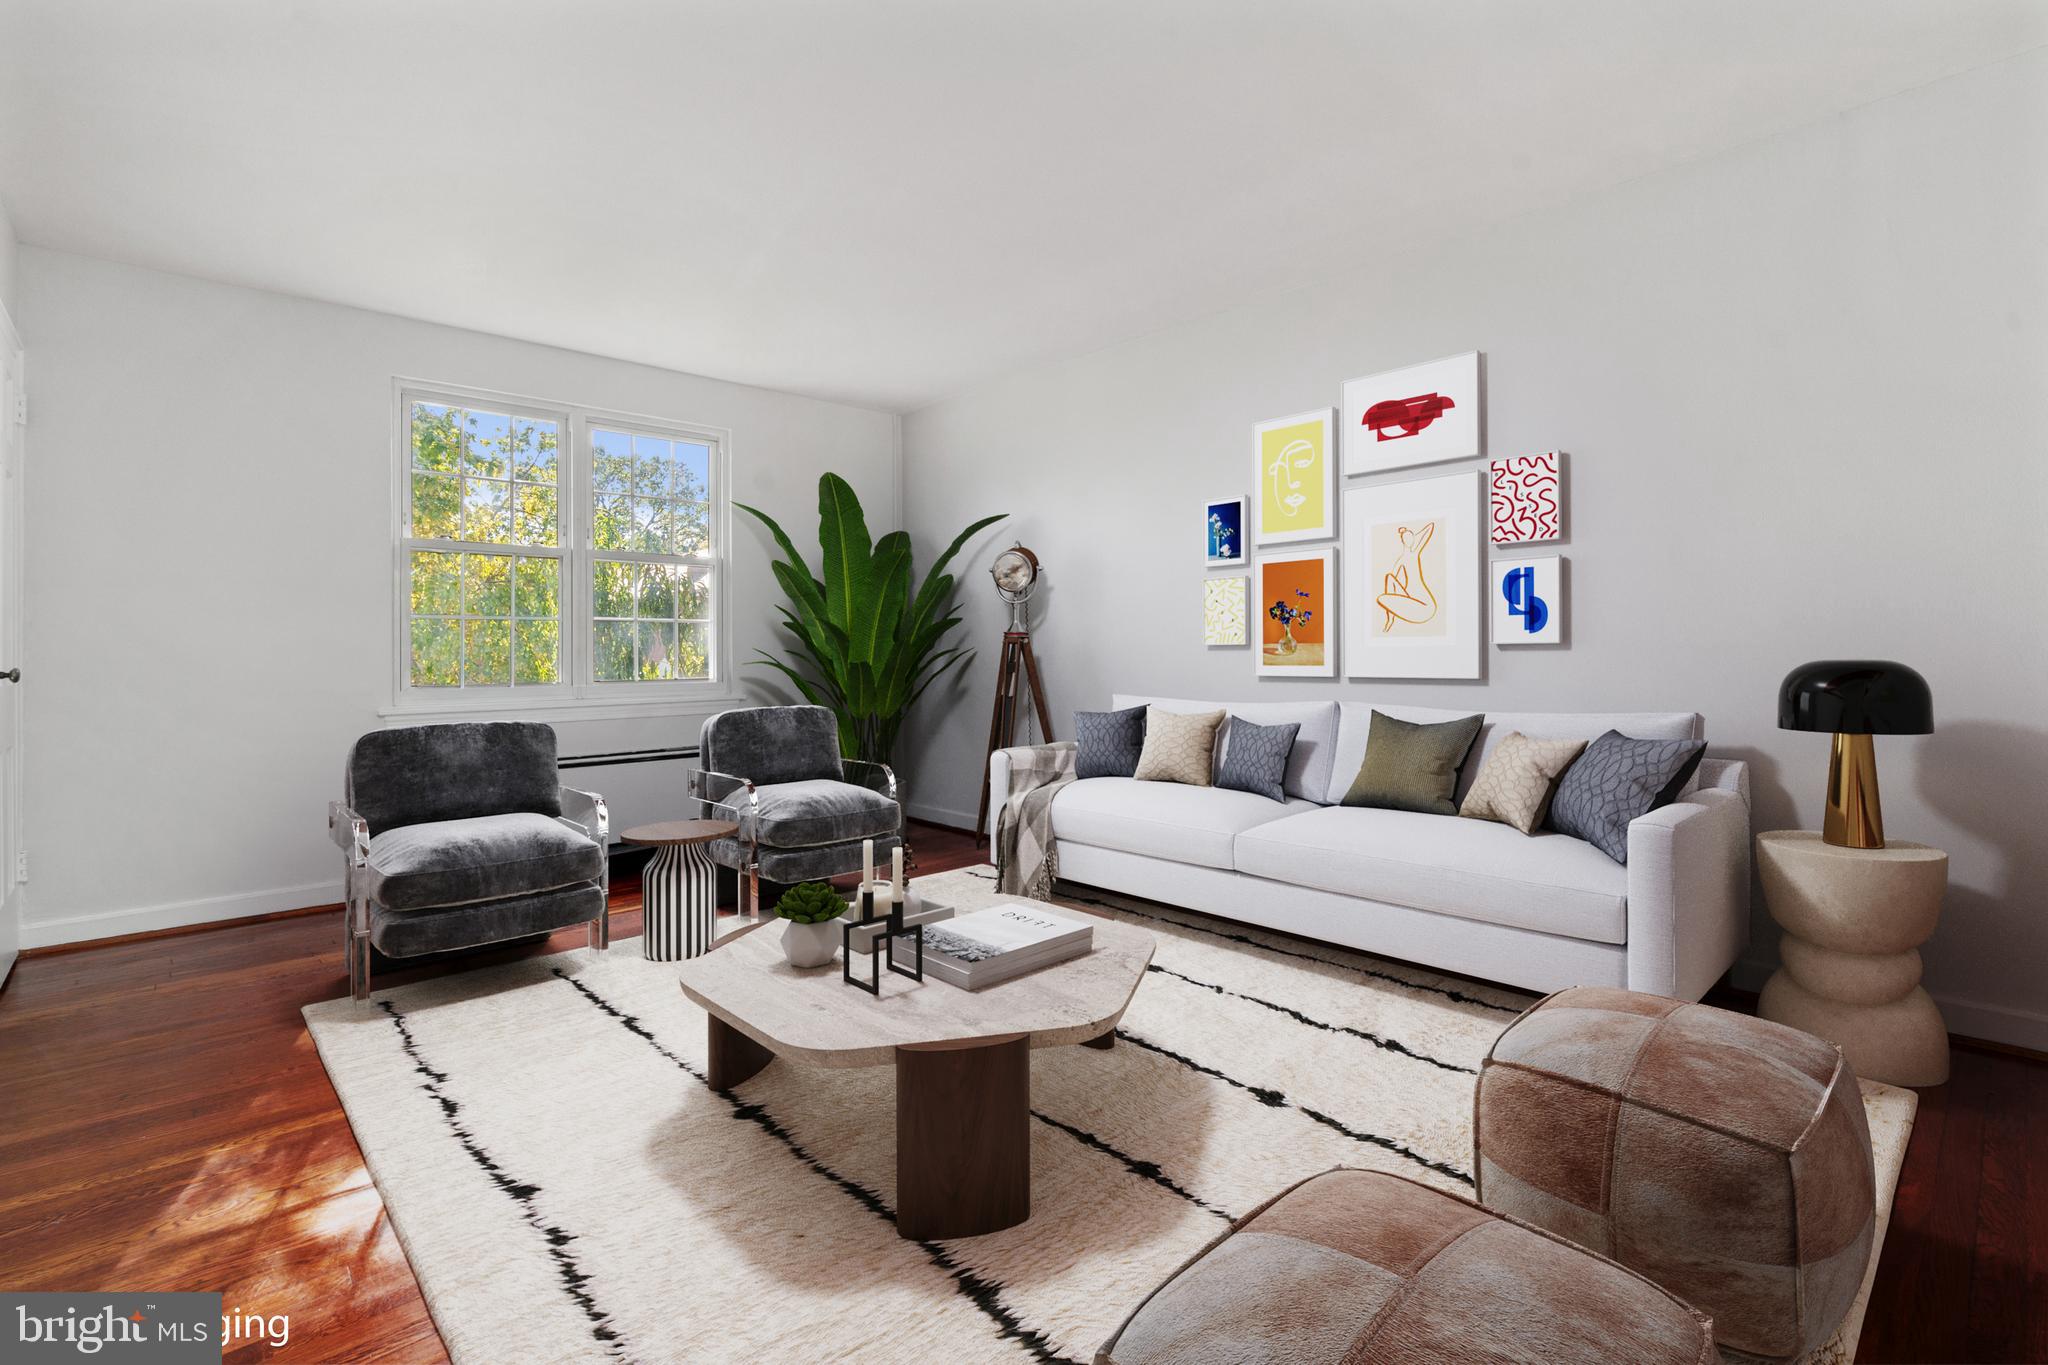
883	943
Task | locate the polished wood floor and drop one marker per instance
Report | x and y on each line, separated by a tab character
166	1124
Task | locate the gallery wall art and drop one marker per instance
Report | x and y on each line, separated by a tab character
1293	467
1292	608
1526	499
1419	415
1412	561
1224	531
1528	601
1223	610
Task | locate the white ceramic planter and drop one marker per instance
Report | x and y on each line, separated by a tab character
810	945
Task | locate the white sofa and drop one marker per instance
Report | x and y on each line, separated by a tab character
1541	911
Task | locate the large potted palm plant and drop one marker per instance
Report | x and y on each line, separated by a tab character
866	645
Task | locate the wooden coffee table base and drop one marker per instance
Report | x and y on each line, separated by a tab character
732	1056
963	1137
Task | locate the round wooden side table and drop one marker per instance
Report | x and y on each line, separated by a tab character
679	888
1854	920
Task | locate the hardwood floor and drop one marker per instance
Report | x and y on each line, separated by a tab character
166	1124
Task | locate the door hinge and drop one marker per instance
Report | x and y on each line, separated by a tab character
21	865
20	409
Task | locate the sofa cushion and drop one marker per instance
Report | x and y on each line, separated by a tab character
1179	748
819	811
1355	723
1616	780
1473	869
1255	758
487	857
1308	764
1162	819
1107	743
1413	767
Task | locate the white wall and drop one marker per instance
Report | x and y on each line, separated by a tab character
10	254
1800	388
209	574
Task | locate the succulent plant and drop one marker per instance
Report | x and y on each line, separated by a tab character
811	903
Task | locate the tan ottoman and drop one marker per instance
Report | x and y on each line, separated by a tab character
1725	1157
1356	1266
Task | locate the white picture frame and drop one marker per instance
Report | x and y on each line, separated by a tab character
1416	415
1528	597
1294	477
1226	611
1414	571
1525	499
1278	577
1234	513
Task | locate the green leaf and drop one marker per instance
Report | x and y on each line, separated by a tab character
849	553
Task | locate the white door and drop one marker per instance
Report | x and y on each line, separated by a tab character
13	436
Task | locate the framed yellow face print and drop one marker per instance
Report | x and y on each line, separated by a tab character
1295	476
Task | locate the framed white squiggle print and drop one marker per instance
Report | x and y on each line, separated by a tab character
1412	579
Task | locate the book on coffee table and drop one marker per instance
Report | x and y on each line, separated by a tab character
986	947
920	911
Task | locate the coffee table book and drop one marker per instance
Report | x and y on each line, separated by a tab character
987	947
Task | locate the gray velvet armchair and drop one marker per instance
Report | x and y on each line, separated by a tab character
461	835
803	811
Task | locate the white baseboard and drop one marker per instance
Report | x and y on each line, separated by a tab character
176	914
940	815
1965	1018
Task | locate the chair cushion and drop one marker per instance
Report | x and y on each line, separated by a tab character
788	866
1473	869
417	774
1161	819
804	814
410	933
767	744
1355	1266
1726	1157
453	862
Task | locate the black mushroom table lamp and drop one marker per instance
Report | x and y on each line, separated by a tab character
1853	699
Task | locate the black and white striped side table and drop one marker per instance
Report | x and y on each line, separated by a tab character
679	887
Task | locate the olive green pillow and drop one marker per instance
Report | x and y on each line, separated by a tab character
1412	767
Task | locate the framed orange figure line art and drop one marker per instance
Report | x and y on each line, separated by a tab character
1293	604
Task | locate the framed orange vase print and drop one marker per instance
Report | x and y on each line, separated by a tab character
1292	608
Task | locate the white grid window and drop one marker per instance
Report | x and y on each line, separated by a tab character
511	587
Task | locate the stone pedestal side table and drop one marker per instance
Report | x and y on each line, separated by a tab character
1854	920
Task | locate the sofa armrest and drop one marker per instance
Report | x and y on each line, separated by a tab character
1000	764
1688	893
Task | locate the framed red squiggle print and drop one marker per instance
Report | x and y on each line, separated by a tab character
1527	499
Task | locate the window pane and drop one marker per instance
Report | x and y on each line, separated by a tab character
436	653
612	650
612	593
487	586
436	583
650	465
487	653
693	599
484	508
612	525
436	437
693	472
487	452
538	588
693	653
611	461
692	528
533	450
657	596
657	650
436	507
537	660
533	513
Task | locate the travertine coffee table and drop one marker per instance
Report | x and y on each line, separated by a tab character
962	1058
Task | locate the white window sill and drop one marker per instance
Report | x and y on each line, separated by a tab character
558	708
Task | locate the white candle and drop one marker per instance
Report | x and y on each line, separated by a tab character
896	872
884	899
867	862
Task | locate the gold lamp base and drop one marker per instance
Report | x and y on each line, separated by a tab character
1854	818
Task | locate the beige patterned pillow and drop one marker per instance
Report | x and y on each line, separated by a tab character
1515	785
1178	748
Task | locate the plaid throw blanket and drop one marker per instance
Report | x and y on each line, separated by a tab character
1026	862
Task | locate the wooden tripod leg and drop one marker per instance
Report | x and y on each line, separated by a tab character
996	737
1037	692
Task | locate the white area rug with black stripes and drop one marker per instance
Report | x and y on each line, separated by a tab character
567	1187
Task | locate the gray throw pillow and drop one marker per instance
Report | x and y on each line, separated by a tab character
1255	758
1616	780
1107	743
1413	767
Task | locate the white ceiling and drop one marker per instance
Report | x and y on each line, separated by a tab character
882	201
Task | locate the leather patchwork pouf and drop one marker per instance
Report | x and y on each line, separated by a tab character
1725	1157
1358	1266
